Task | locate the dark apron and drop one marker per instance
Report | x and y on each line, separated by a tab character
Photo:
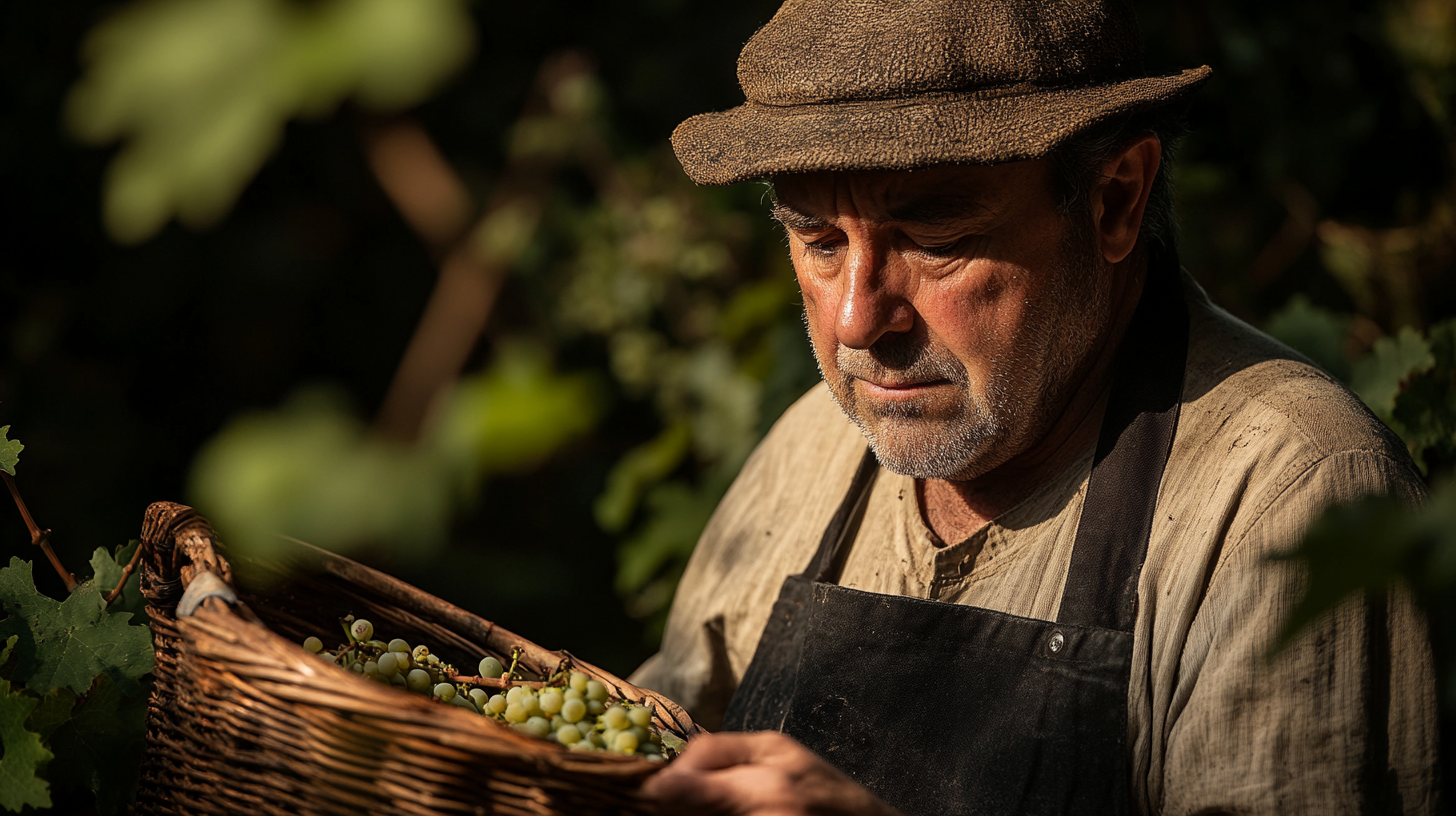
943	708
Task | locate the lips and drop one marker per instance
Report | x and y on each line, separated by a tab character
894	389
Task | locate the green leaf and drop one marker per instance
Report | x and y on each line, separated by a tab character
200	90
642	467
1360	546
24	753
69	643
1314	332
1426	408
98	741
1379	376
107	571
9	451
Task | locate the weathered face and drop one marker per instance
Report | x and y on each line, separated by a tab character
951	309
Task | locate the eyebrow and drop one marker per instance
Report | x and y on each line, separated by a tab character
941	211
794	219
931	211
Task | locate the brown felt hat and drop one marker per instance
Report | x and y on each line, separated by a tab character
901	84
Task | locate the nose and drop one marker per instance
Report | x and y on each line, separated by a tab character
873	300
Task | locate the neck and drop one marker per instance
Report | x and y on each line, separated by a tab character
955	509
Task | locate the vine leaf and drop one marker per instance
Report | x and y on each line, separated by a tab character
67	644
98	741
9	451
24	752
107	569
1380	376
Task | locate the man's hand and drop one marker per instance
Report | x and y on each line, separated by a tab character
764	774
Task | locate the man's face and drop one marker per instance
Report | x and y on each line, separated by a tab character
952	310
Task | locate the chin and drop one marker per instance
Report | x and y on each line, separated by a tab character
954	454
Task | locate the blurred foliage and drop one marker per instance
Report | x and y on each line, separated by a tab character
200	89
1319	166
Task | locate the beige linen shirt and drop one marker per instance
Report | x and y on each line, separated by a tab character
1338	722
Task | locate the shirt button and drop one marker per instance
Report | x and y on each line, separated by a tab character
1056	642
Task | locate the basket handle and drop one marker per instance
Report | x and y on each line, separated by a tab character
178	545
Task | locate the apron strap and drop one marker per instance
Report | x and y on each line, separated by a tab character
828	560
1132	450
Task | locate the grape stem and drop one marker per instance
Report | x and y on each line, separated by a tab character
41	538
493	682
126	572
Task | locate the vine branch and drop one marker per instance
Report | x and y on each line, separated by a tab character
125	574
39	537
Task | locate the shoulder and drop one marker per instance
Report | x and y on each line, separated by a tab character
1263	428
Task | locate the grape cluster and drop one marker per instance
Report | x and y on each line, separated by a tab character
569	708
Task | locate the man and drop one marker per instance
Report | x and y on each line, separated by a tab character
1048	588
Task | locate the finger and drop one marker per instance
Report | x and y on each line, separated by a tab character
711	752
741	789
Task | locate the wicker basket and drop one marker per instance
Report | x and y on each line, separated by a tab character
244	721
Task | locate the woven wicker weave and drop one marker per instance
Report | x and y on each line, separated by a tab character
244	721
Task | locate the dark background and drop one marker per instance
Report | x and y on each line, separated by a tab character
1322	137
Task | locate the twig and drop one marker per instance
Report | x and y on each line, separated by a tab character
39	537
493	682
125	574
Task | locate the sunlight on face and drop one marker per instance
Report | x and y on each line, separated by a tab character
950	309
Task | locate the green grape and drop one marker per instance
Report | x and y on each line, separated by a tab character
596	738
609	737
388	666
595	707
573	694
568	735
578	681
356	667
557	721
540	726
514	694
573	710
479	698
640	716
420	653
378	644
531	702
625	742
399	680
550	701
361	630
433	660
444	691
655	758
464	702
595	691
515	713
371	669
313	644
490	667
641	734
584	746
399	645
419	680
649	748
497	704
617	719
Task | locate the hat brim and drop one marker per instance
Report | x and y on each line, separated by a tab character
754	141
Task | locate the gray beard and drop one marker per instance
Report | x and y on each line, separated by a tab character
1027	389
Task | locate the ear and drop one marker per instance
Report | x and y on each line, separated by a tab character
1119	200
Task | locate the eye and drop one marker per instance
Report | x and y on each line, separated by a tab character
942	250
827	245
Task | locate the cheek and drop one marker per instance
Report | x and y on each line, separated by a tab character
976	313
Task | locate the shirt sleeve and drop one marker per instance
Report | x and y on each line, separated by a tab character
1343	718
